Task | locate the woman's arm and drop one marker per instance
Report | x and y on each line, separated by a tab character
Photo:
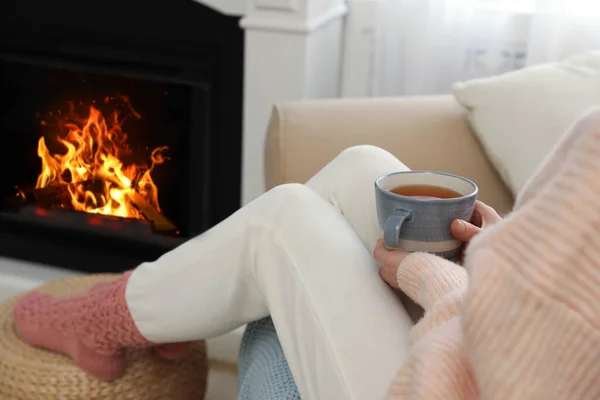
437	367
436	284
432	282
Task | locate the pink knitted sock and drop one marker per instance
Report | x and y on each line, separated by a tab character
93	328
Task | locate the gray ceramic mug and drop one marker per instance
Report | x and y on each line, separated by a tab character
419	224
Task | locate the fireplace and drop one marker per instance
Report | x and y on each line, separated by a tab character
121	126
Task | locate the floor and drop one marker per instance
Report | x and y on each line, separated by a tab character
18	276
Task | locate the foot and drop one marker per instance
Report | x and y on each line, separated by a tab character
49	323
92	328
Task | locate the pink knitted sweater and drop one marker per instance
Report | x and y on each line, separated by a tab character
522	319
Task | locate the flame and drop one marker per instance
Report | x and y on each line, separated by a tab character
93	171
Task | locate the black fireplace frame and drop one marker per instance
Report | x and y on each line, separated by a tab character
181	40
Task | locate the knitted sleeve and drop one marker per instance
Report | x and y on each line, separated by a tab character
437	367
434	283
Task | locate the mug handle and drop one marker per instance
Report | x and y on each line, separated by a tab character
393	224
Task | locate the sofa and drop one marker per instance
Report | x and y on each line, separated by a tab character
429	132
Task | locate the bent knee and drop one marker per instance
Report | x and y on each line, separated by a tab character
363	150
295	196
364	154
292	191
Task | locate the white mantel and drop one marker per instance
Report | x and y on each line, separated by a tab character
293	50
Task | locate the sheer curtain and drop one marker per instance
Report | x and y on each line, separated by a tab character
423	46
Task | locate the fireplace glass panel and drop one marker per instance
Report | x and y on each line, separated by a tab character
40	99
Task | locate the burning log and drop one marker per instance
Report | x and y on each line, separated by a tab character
58	196
53	196
159	222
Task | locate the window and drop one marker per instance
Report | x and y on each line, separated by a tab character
517	6
582	8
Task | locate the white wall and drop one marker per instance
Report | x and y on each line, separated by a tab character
358	64
293	51
324	61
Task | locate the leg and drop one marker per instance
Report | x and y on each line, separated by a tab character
348	182
292	255
302	255
263	370
289	254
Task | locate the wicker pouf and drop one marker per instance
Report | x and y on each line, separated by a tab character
28	373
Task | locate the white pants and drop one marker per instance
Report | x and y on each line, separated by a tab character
302	254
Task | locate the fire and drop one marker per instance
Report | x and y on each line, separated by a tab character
93	171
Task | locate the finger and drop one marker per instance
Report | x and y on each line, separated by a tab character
389	276
487	213
463	230
389	261
380	252
476	219
388	257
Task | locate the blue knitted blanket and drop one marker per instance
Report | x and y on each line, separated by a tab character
264	373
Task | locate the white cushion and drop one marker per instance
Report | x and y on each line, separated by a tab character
520	115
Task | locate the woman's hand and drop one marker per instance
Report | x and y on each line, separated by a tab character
483	215
389	261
